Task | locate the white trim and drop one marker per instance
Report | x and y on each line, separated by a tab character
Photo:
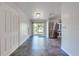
18	46
25	40
66	51
12	51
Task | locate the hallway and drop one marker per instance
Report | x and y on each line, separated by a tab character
57	21
39	46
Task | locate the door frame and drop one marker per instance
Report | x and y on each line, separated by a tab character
37	21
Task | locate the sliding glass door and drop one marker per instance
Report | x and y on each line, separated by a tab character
38	28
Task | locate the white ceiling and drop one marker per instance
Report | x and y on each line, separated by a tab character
45	8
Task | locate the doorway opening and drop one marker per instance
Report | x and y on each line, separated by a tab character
38	28
55	32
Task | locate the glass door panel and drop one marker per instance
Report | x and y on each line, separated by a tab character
38	28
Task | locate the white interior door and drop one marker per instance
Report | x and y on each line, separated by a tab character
2	32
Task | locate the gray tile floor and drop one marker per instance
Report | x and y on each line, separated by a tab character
39	46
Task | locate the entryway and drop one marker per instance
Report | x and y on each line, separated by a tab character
38	28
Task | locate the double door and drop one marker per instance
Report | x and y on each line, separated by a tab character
8	31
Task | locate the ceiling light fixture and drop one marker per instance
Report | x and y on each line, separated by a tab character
37	14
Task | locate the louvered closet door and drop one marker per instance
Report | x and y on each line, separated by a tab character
15	31
8	32
2	32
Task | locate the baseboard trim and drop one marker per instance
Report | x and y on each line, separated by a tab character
66	51
19	46
12	51
26	39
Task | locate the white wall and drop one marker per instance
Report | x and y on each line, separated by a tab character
70	28
13	29
25	29
47	28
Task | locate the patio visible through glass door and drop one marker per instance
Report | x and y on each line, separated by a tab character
38	28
